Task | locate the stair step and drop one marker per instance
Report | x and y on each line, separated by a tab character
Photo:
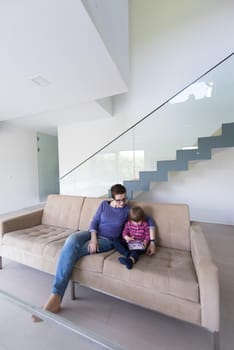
172	165
228	130
215	142
136	185
193	154
147	176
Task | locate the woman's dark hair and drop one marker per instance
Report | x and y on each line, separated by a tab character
117	189
137	214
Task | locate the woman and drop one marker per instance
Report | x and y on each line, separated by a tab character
106	225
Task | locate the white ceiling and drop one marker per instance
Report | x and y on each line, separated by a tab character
57	40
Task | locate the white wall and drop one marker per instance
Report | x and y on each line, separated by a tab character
171	44
111	20
19	173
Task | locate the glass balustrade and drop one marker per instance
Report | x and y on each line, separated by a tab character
197	111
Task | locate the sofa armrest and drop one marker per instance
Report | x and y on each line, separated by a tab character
207	274
21	222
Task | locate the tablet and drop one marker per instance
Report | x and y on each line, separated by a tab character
136	245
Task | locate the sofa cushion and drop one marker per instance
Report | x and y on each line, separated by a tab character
63	211
92	263
172	221
39	240
170	271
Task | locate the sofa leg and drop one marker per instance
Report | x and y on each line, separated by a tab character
0	262
73	294
215	341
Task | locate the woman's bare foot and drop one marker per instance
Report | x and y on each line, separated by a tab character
52	305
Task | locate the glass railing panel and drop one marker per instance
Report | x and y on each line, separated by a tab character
111	165
198	111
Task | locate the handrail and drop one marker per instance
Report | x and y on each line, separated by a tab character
147	115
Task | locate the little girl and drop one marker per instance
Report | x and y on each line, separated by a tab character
135	238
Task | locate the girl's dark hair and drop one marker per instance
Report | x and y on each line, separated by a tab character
117	189
137	214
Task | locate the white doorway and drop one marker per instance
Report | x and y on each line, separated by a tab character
48	165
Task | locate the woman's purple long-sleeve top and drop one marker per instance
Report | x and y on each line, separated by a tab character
109	222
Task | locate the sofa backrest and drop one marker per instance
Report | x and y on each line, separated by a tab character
63	211
76	212
88	211
172	222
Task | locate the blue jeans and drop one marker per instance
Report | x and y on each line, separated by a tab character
75	246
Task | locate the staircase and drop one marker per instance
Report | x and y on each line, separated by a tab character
201	152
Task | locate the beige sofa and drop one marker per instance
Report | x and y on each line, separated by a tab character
180	280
